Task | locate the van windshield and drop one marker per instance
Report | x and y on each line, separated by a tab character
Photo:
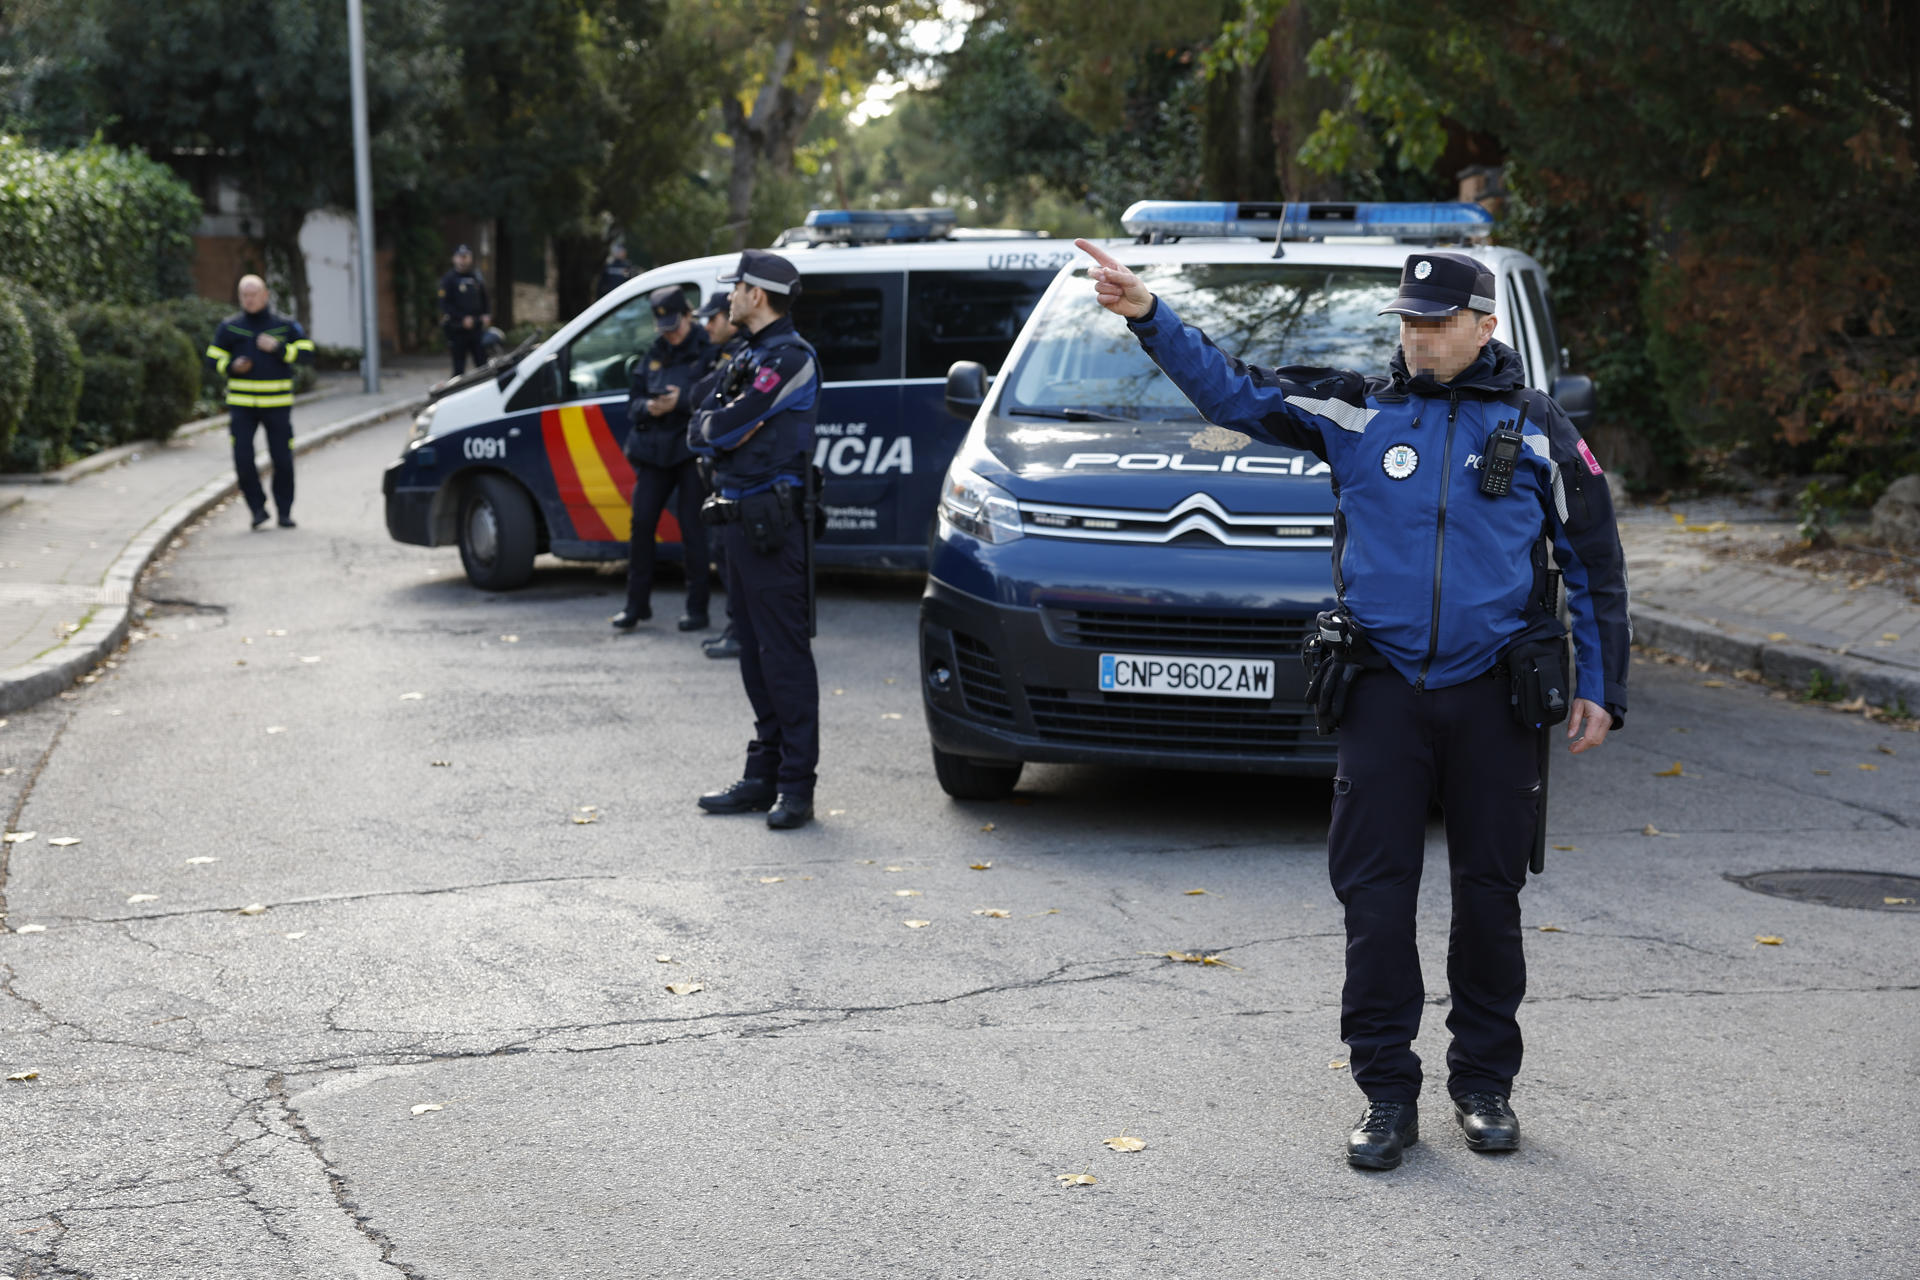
1082	361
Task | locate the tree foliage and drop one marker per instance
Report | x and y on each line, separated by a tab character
94	222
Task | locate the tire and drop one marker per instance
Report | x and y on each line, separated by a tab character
968	779
498	534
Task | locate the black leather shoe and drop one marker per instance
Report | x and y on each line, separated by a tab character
286	522
693	622
789	811
259	518
749	795
1385	1131
629	618
1488	1121
724	645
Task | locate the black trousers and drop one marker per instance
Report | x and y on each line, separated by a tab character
768	595
465	344
241	423
1398	750
651	485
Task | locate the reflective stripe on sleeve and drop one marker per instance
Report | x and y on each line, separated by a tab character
219	356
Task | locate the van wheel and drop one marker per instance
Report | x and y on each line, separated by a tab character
497	534
966	779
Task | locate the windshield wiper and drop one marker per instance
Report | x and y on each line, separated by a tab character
1066	415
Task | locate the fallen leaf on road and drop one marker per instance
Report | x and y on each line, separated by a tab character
254	909
586	816
1675	772
509	639
1189	957
988	827
1869	768
1050	911
20	837
24	1075
31	928
663	959
1076	1179
441	764
906	893
773	879
980	866
314	658
995	913
202	860
891	680
61	842
916	924
1712	526
838	692
1898	902
8	772
685	988
142	897
1824	773
421	1108
1649	830
1776	635
276	728
1768	939
1679	518
834	813
1713	684
1551	928
889	715
1564	848
893	868
296	936
412	697
1122	1142
1883	750
1195	893
1338	1064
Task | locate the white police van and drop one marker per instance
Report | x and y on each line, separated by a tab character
524	456
1111	579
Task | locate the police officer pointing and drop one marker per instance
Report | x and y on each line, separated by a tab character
757	426
1460	495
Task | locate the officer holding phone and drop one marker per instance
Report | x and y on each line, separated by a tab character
1462	494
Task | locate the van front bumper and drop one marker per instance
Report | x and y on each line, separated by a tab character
409	510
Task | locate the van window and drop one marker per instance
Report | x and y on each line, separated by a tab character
598	359
853	321
1543	323
541	388
967	315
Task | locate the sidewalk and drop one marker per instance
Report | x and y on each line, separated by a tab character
71	553
1711	586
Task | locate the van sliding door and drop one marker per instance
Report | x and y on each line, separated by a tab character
854	321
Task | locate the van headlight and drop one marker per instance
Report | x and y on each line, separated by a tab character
979	507
422	424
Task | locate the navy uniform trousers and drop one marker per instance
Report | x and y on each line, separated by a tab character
242	422
651	485
466	344
767	594
1398	751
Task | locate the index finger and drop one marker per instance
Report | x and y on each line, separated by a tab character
1098	254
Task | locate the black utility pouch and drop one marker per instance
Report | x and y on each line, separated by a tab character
1541	685
765	516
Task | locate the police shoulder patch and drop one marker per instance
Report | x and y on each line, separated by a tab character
1399	461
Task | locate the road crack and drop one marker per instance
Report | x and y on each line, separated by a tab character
20	807
336	1181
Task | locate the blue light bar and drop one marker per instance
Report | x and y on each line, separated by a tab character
878	226
1293	221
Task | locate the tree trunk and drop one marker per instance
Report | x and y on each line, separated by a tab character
1297	101
766	136
500	288
578	256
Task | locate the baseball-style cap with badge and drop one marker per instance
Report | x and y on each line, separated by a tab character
669	303
715	305
1435	285
769	271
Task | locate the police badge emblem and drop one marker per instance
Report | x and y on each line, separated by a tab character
1399	461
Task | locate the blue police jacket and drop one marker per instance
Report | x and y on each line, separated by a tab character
757	421
268	383
1441	577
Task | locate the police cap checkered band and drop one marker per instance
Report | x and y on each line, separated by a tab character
1436	284
768	271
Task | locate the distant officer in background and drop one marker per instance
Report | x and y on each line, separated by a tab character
728	342
659	407
464	311
616	273
758	427
255	352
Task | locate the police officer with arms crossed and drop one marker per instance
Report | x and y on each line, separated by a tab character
464	311
728	343
757	425
660	407
255	352
1451	479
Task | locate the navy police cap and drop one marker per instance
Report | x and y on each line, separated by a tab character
768	271
668	300
715	305
1440	284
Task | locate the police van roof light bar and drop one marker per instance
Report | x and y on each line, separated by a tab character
1165	219
878	226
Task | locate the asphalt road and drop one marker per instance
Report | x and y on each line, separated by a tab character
391	764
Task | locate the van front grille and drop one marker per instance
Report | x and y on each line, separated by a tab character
1172	723
981	687
1255	635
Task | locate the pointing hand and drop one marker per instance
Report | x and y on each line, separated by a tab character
1118	289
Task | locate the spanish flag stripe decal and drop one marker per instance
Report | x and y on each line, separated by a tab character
610	456
596	484
587	524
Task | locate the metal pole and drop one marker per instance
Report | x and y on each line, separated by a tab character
363	192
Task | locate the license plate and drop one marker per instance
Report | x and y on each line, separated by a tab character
1189	677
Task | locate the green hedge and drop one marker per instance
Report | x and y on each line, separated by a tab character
95	223
170	365
109	398
16	369
55	398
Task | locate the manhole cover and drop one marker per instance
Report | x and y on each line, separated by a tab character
1863	890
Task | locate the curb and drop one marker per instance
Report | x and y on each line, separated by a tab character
1794	665
112	616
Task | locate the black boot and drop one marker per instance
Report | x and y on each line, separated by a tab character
724	645
749	795
1385	1131
792	809
693	622
1488	1121
630	617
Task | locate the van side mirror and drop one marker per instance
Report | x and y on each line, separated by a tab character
1574	393
966	388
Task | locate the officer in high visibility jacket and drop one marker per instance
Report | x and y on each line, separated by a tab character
255	351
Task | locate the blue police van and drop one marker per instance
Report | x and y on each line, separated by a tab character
523	457
1113	580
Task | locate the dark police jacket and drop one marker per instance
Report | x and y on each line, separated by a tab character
268	384
662	441
462	294
1439	576
757	421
